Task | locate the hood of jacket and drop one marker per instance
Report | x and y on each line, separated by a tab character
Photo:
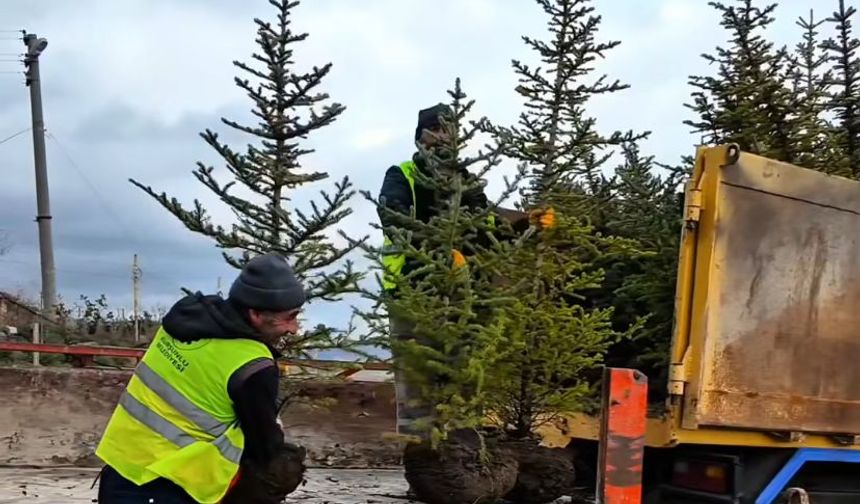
200	316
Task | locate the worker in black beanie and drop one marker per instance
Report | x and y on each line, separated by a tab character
267	284
403	192
430	120
212	362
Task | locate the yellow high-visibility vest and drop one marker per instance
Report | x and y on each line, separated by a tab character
175	419
392	260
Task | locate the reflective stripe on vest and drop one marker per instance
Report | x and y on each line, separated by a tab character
174	434
175	419
204	420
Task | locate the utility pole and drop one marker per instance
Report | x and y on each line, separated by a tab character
35	46
37	338
135	279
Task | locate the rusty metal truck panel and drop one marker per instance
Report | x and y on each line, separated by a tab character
773	339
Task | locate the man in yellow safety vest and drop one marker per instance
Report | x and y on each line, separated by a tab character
203	398
402	193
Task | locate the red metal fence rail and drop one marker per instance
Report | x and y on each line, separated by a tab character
87	353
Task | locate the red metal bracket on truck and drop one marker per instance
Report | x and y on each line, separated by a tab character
622	437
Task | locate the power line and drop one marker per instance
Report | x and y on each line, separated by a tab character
14	135
124	228
75	271
66	270
93	188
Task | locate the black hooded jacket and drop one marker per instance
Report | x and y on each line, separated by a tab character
396	195
252	388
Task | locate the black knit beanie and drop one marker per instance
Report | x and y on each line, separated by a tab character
429	118
268	283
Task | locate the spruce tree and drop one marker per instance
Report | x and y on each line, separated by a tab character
559	142
453	296
747	101
810	81
844	100
289	107
646	207
555	135
552	337
564	155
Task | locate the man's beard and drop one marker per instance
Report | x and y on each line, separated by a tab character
281	343
275	341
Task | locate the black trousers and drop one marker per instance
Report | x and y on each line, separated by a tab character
114	489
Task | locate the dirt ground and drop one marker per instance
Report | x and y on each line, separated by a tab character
324	486
55	416
52	418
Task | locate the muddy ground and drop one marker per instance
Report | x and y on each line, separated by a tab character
324	486
55	416
52	419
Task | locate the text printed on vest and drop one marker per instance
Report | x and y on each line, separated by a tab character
169	351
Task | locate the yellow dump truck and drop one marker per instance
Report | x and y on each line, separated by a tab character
764	390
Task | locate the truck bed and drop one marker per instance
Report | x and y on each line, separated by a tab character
766	346
774	301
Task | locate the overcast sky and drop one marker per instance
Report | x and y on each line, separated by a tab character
129	84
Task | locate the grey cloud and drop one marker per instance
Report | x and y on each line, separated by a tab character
14	95
96	259
100	220
137	113
119	122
